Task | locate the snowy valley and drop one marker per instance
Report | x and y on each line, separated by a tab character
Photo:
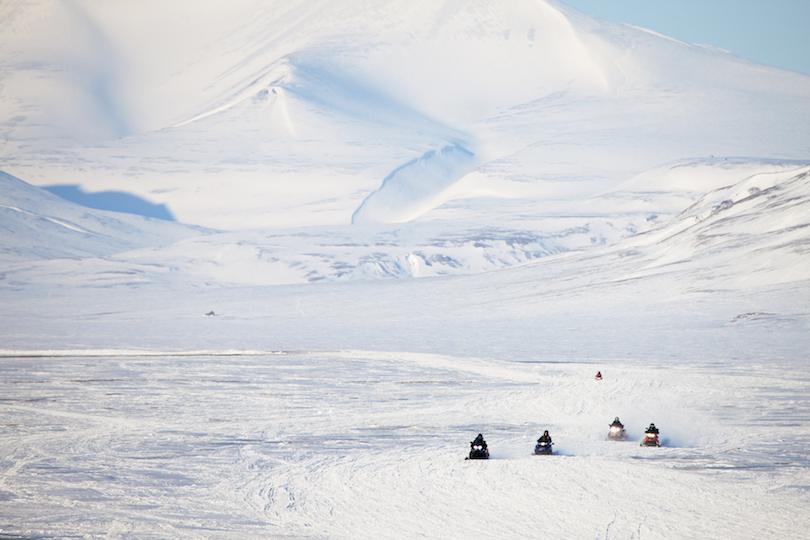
409	222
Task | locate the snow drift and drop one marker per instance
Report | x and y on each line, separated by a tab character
416	187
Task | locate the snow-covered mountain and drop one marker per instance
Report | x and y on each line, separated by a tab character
38	225
388	139
572	195
319	113
338	142
380	139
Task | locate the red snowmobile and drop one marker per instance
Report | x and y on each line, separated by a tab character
651	437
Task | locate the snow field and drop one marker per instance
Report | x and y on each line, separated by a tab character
591	210
362	445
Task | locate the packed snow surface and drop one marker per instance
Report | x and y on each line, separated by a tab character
372	445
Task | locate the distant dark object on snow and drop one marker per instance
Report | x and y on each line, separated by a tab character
211	314
754	316
598	376
114	201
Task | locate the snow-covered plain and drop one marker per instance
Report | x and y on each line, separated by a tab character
413	222
371	445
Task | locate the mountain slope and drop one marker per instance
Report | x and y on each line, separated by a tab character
751	230
294	113
37	225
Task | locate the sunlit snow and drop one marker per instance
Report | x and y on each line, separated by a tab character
387	226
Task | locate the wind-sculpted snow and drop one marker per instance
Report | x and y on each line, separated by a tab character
416	187
370	445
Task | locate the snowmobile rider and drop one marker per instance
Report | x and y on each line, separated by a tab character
479	441
652	429
617	423
545	438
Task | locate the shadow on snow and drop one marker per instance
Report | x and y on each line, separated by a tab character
114	201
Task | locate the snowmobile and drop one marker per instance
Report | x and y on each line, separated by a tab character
543	448
616	433
478	451
650	439
598	376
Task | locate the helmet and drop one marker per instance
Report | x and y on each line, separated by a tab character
545	432
616	419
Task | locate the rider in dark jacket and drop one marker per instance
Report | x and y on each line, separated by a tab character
545	438
479	441
652	429
617	423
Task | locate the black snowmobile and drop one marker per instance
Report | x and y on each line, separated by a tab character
616	431
479	452
543	446
478	448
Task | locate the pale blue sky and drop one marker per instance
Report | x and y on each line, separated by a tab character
775	32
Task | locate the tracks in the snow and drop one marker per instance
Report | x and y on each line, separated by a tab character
370	445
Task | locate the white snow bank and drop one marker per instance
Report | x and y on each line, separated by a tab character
416	187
